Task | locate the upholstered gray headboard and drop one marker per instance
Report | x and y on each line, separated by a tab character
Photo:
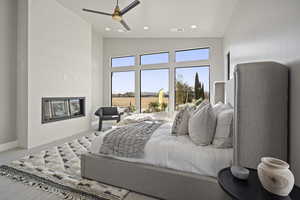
229	91
219	91
259	93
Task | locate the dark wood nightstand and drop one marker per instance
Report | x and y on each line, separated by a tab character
250	189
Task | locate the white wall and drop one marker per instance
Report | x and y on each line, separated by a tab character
269	30
22	74
97	70
125	47
8	70
59	65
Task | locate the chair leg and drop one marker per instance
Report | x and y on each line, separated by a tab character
100	125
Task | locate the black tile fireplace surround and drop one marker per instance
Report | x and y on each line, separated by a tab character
62	108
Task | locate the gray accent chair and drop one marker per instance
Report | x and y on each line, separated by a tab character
107	113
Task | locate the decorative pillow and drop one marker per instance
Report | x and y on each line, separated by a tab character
219	107
181	122
224	129
202	126
199	107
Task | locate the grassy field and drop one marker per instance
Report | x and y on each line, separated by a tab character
125	101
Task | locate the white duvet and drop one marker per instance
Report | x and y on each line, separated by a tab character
178	152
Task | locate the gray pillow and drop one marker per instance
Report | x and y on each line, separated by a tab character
181	122
202	125
224	129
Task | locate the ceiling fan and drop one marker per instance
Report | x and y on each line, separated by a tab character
118	13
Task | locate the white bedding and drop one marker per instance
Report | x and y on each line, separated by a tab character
178	152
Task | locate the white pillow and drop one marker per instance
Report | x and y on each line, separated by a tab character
135	118
164	116
224	129
181	122
219	107
202	125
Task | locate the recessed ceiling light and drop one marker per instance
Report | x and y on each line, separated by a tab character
107	29
146	27
120	30
193	26
177	29
173	29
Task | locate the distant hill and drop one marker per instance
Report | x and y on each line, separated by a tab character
144	94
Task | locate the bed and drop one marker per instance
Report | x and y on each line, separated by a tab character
187	171
179	153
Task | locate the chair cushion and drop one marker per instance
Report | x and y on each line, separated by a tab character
110	111
110	117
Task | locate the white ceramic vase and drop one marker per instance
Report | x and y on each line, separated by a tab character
275	176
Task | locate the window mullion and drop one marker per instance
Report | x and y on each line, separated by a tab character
138	84
172	82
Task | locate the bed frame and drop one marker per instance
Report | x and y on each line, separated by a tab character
150	180
259	93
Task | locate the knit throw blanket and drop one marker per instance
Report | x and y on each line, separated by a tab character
130	140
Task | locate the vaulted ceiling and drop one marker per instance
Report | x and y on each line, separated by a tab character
163	17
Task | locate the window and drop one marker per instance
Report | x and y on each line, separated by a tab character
123	61
123	90
154	90
191	85
192	55
144	86
157	58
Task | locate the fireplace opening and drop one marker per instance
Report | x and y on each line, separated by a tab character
62	108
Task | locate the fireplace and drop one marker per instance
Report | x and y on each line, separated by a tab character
62	108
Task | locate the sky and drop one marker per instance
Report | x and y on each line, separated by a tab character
154	80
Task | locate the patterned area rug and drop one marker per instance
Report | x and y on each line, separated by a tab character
57	170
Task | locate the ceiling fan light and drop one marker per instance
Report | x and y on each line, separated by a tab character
117	18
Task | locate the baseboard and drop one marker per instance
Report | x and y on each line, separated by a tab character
9	145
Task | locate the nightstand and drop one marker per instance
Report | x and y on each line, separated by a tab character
250	189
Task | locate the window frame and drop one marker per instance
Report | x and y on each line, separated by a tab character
171	66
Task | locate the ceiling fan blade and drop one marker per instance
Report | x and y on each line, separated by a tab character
130	6
125	25
97	12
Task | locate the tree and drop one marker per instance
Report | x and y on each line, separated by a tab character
164	106
153	107
197	87
184	93
202	93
